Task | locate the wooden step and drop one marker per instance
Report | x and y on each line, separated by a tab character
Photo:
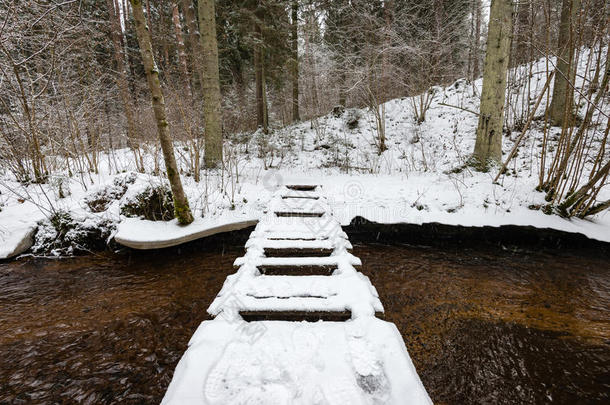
310	270
300	261
306	197
299	316
296	316
302	187
303	214
297	252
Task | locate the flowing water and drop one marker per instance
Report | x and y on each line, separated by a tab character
482	325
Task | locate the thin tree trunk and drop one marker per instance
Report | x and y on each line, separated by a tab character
259	67
181	205
477	40
211	84
194	39
295	60
562	100
122	82
181	48
489	131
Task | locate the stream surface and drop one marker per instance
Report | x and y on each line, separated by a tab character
482	325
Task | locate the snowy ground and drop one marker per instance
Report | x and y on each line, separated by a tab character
419	179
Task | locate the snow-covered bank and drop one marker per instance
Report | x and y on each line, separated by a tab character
422	177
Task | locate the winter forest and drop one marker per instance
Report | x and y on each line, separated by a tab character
130	126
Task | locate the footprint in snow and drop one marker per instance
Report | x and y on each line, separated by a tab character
342	391
216	387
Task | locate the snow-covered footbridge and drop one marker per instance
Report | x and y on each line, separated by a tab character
297	323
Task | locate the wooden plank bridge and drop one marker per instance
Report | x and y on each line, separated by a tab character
298	266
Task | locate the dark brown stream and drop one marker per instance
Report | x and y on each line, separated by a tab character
482	325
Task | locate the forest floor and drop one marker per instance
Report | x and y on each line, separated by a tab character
422	177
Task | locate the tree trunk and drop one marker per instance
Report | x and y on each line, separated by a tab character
211	84
181	205
181	49
477	41
489	131
259	67
194	39
122	82
295	60
561	102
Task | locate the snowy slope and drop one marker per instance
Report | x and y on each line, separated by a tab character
421	178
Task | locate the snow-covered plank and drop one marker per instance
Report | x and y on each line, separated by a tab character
139	233
337	260
343	292
337	363
266	243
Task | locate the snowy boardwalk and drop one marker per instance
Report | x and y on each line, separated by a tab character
297	267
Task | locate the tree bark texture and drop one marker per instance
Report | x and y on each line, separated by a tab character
561	102
211	84
489	131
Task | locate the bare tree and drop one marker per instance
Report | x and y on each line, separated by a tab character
181	205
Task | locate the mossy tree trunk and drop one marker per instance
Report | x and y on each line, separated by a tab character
488	145
211	84
294	44
181	205
561	102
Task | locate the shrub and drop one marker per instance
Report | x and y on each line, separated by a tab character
155	203
99	201
62	234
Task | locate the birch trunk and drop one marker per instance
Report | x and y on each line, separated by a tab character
181	205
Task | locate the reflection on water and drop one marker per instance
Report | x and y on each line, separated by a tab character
481	325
